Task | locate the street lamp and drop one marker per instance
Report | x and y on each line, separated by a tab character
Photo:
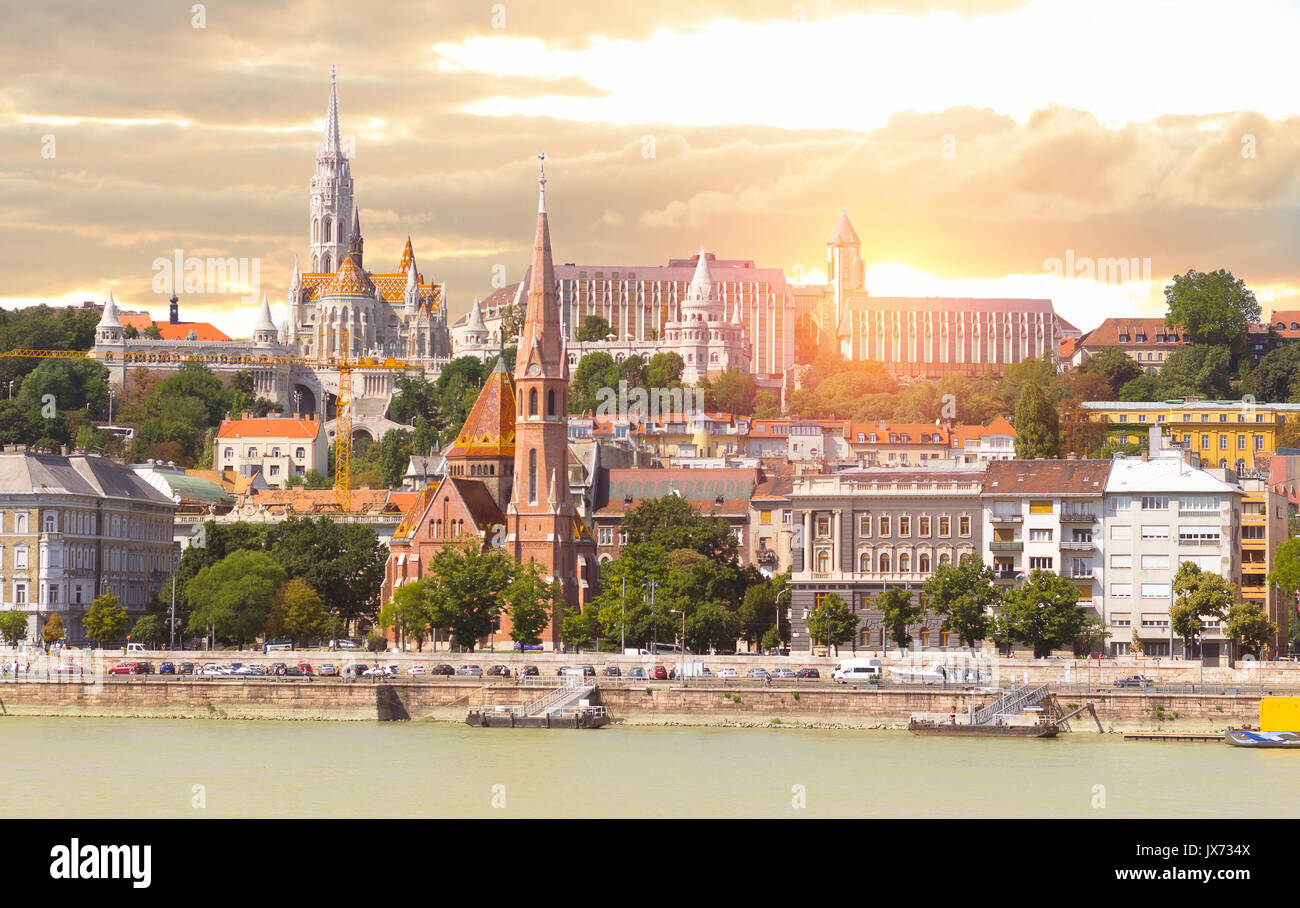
653	584
623	620
682	663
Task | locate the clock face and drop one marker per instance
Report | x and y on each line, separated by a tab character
534	369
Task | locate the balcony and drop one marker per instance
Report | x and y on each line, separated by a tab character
997	546
1080	575
1078	545
1007	518
1078	517
1006	576
1184	540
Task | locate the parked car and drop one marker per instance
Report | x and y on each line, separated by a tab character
126	668
612	671
442	668
1134	681
416	669
470	670
345	644
212	670
759	673
305	668
377	671
329	670
69	670
570	671
808	673
659	673
728	672
531	671
189	668
636	671
279	668
589	671
167	668
782	673
251	671
294	671
499	671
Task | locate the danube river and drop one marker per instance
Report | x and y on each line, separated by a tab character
217	768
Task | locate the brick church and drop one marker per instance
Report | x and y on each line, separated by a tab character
507	478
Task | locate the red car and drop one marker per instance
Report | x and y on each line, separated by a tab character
659	673
128	668
304	667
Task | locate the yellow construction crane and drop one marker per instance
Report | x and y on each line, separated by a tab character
345	365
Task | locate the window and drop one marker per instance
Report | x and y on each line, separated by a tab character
1241	442
1155	502
532	402
20	593
230	452
864	525
1205	441
1121	532
823	562
945	526
252	452
51	523
904	562
275	469
823	527
884	526
1155	591
1259	442
20	557
300	453
532	475
1198	503
550	403
1040	564
765	517
1155	562
884	562
923	563
904	526
275	452
963	525
1040	507
1121	590
20	523
1121	561
864	563
1194	535
1120	503
945	558
924	529
1040	535
1153	531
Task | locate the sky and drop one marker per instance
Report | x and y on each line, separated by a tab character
980	147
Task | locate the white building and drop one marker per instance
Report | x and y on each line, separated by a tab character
1159	512
278	448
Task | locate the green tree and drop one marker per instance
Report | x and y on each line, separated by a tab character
1043	613
580	628
671	523
1250	627
1144	387
394	455
13	626
1197	369
709	626
596	371
1038	431
465	588
1092	636
344	563
408	611
732	392
1286	569
1211	308
1272	379
105	620
964	594
594	328
53	630
298	612
758	611
665	370
900	612
833	622
314	479
1198	595
150	630
532	602
1116	366
234	596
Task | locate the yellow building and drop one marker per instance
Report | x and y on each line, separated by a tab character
1225	433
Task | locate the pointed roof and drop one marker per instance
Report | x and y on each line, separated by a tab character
350	280
843	234
702	283
539	339
264	321
489	430
296	281
109	318
408	258
330	142
475	322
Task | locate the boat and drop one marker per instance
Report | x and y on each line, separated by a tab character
938	673
1239	737
1044	729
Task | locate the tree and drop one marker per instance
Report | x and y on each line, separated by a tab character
632	617
1199	369
298	612
1286	569
234	596
578	627
105	620
900	612
13	626
711	626
1092	636
963	593
465	588
53	629
1037	427
1213	308
394	455
532	602
1116	366
344	563
314	479
1043	613
408	611
665	370
150	630
1250	627
1144	387
595	372
1271	381
731	392
833	622
759	608
1198	595
671	523
594	328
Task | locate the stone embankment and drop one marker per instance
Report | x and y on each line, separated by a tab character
808	704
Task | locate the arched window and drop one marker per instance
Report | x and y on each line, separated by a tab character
550	403
532	401
884	562
923	562
327	237
823	562
300	453
864	563
532	470
904	562
275	452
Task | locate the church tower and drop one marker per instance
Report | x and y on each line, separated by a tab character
542	524
846	272
331	194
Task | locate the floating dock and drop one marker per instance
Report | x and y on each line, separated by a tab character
1170	736
1002	717
568	706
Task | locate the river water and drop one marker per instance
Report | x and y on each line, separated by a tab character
56	767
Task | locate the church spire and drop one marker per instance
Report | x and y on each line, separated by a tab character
540	344
331	140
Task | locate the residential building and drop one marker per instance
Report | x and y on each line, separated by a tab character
981	444
73	527
1149	341
1161	511
276	447
884	444
1224	433
860	532
1046	515
771	525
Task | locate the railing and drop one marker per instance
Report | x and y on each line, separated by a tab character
1012	703
1078	545
1080	517
1007	518
570	712
998	546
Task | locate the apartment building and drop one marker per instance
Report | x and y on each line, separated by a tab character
1159	512
771	525
1148	341
981	444
1223	433
1046	514
885	444
861	532
278	448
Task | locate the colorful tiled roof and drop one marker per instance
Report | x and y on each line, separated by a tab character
489	430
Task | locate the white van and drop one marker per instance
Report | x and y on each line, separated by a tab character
135	647
856	670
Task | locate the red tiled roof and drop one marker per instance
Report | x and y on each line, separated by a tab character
1046	477
284	427
913	430
1111	331
1286	322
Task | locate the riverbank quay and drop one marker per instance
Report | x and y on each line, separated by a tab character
816	704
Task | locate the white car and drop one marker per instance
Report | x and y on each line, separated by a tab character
212	670
728	673
415	670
